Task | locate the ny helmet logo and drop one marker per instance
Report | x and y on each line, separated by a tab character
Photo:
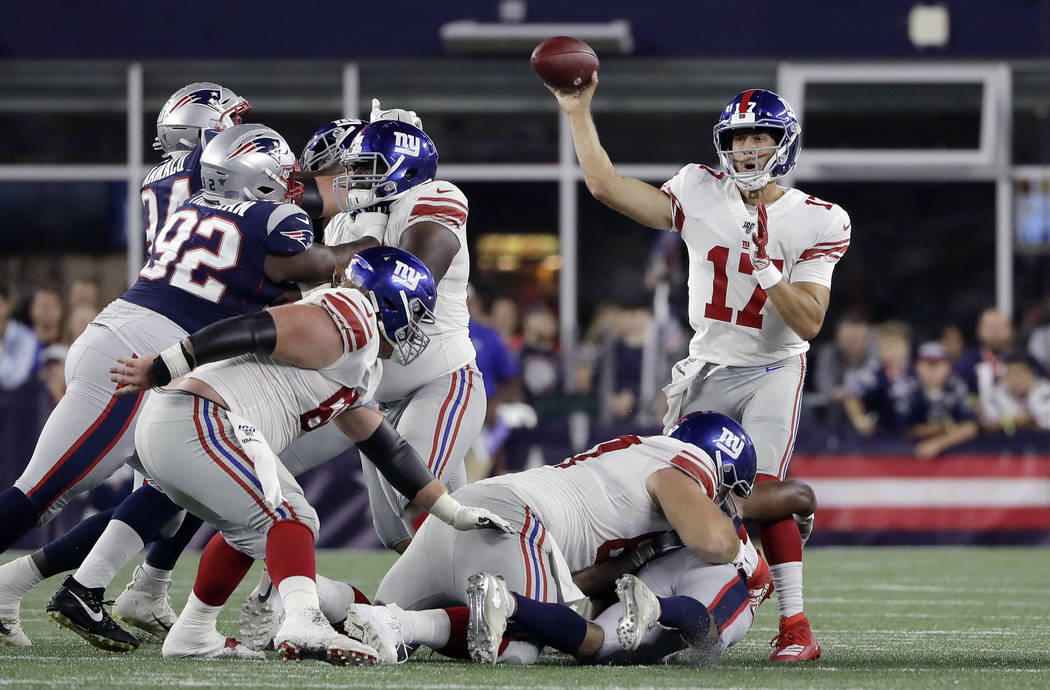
406	275
730	443
406	143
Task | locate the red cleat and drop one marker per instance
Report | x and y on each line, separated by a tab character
795	641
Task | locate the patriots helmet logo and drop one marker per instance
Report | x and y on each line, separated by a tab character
204	96
264	144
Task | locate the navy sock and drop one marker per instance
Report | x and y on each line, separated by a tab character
18	515
146	511
686	615
164	553
556	625
68	551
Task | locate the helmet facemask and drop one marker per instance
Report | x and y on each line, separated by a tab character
365	182
405	335
760	175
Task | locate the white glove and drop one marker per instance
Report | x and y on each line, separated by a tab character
746	558
453	513
342	229
398	114
372	224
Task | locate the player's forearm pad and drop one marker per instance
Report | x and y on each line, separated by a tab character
248	334
396	460
312	201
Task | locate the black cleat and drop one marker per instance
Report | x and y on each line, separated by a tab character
78	608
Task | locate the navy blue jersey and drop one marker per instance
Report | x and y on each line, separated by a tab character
167	187
207	262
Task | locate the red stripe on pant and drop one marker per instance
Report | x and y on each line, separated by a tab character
786	457
525	554
452	442
202	437
79	442
441	420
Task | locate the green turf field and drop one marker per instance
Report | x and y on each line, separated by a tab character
888	618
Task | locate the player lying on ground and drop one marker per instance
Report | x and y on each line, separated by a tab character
209	440
761	258
568	518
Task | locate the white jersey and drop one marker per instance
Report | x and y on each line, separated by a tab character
450	347
729	312
596	503
285	401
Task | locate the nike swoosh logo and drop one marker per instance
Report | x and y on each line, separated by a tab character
264	597
4	630
774	368
161	623
93	615
845	228
439	190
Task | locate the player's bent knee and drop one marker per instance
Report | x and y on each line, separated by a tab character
803	497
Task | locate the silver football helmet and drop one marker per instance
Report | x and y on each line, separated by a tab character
249	163
196	106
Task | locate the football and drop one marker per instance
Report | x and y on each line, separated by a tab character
564	63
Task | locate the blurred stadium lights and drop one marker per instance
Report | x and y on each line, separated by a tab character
469	37
929	26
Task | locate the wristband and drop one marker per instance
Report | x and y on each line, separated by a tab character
445	508
769	276
175	361
746	558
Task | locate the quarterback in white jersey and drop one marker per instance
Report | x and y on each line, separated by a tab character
760	263
207	439
572	518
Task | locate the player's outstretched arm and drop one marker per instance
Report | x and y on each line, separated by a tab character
635	199
401	465
315	265
303	335
702	526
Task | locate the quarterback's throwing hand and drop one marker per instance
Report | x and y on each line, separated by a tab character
759	240
132	374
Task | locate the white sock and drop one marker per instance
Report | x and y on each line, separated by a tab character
116	547
156	573
431	627
335	597
197	616
787	579
17	577
298	593
264	583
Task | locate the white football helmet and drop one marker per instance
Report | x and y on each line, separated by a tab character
196	106
249	163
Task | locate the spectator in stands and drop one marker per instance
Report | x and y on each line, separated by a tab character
53	370
503	316
877	395
79	318
981	367
951	337
839	361
1020	400
45	315
18	347
541	366
618	381
939	415
84	293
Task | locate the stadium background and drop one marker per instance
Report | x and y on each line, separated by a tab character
958	222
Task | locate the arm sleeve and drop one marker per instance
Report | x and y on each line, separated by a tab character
396	460
817	263
251	333
443	203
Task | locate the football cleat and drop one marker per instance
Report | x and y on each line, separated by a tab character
641	611
260	618
190	644
11	634
491	604
145	604
78	608
378	627
795	642
307	634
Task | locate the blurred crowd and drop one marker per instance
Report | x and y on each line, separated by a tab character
866	381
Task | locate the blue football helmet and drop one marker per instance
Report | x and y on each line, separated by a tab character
385	160
403	293
761	110
325	147
724	440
